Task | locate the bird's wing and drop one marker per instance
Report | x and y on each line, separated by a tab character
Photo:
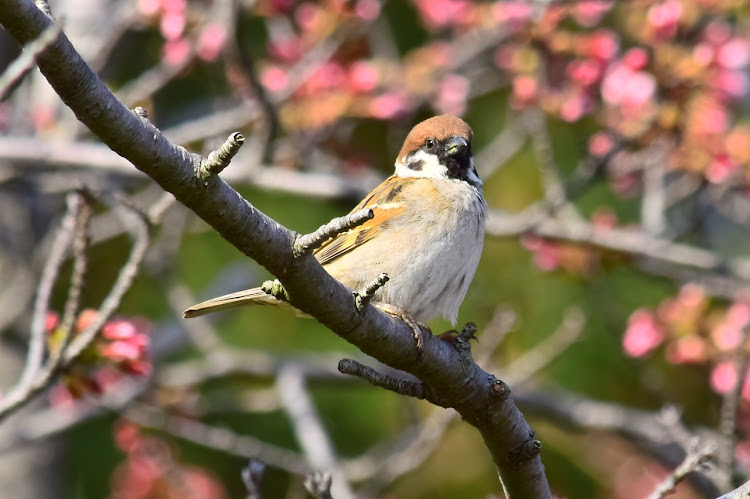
386	203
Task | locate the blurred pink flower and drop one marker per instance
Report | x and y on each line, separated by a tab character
734	54
274	78
717	32
703	54
600	144
330	76
588	13
174	5
664	18
148	7
172	25
441	13
685	350
732	84
602	44
176	52
51	321
720	169
546	255
635	58
363	76
742	453
388	105
584	71
643	334
513	13
723	377
630	90
309	16
452	94
367	10
211	41
575	106
525	88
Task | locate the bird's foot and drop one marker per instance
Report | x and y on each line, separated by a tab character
417	328
453	336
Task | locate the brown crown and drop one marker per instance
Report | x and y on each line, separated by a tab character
440	128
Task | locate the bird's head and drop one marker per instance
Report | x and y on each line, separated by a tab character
439	147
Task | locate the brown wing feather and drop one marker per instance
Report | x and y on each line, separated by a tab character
384	201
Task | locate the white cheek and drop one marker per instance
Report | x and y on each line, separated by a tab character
431	167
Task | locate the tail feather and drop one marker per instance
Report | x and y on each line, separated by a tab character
254	296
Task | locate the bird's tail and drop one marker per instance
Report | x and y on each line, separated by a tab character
254	296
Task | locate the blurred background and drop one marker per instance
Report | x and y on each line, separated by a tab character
613	139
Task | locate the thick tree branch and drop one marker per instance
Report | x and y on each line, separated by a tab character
461	384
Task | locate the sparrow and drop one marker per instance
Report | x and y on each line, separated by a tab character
427	232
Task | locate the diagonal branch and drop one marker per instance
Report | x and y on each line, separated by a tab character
460	382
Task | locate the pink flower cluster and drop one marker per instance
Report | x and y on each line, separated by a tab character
549	254
693	331
120	349
151	469
179	48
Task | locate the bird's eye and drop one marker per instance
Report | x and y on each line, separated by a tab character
430	144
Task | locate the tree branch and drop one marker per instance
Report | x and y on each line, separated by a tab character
461	384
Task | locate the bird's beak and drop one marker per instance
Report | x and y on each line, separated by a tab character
456	146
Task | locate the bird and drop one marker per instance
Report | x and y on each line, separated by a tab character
426	233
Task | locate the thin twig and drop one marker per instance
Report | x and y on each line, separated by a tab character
542	354
303	245
26	61
411	388
363	298
49	276
219	159
309	430
697	459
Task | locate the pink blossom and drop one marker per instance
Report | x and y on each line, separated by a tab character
452	94
211	41
119	330
525	88
725	337
388	105
174	5
575	106
309	16
703	54
734	54
588	13
742	453
717	32
691	296
126	435
51	320
176	52
85	318
685	350
733	84
367	10
723	377
627	88
440	13
738	314
148	7
602	44
274	78
600	144
331	75
664	18
363	76
584	71
635	58
720	169
42	117
172	25
513	13
643	334
119	351
603	219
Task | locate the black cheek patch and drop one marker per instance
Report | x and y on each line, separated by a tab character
416	165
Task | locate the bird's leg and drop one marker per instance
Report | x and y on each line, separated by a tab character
416	327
